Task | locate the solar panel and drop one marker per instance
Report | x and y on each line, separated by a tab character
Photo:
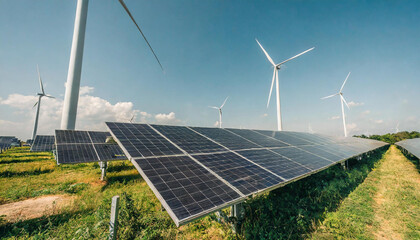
257	138
195	171
285	138
411	145
8	141
244	175
282	166
184	186
188	140
142	141
43	143
226	138
85	146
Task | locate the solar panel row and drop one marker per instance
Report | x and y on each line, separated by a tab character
85	146
43	143
7	142
195	171
411	145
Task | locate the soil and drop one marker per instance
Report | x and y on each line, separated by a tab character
34	207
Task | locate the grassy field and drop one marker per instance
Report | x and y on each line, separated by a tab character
385	206
310	207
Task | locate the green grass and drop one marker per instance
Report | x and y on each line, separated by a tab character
386	205
292	212
24	175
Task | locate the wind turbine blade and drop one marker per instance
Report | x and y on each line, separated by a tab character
330	96
341	89
214	107
344	100
271	89
49	96
310	49
40	80
266	54
145	39
35	104
224	102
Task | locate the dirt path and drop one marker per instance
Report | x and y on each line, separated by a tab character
35	207
397	198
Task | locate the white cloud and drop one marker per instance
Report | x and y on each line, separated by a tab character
367	112
166	118
355	104
265	115
20	101
334	117
379	121
85	90
92	112
352	127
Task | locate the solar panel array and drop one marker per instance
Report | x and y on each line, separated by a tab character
195	171
411	145
85	146
7	141
43	143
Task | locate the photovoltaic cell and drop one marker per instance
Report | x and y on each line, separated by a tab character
43	143
195	171
411	145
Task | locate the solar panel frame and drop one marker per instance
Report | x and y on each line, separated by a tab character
199	156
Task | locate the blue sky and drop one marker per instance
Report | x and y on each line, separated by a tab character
208	50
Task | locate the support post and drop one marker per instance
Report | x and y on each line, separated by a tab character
236	212
113	224
343	164
103	166
71	97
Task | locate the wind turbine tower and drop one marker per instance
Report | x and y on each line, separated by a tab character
276	78
343	101
71	98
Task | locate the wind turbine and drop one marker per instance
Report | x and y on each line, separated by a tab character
68	120
310	129
220	112
276	77
340	93
40	95
396	128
